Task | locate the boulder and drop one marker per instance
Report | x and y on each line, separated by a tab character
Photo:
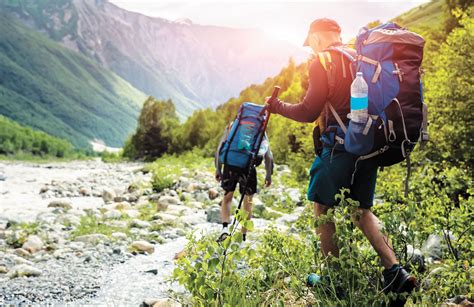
214	214
122	206
23	270
192	187
295	196
33	244
202	197
92	239
68	219
142	246
44	189
3	269
213	194
139	224
165	201
166	302
113	214
108	195
85	191
22	252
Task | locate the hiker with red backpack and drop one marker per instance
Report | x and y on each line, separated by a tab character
243	146
355	135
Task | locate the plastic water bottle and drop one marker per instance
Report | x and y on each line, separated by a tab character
359	99
313	280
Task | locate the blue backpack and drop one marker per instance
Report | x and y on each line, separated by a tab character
244	136
390	58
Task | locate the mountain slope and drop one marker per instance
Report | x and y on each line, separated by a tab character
61	92
197	66
18	139
425	16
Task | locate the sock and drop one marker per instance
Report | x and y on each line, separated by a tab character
224	225
244	236
394	268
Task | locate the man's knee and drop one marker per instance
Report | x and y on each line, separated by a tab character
320	209
357	215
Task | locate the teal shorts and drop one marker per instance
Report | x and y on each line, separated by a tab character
328	176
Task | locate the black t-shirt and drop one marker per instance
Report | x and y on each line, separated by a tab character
316	97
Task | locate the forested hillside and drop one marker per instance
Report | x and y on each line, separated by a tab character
196	65
437	208
61	92
16	139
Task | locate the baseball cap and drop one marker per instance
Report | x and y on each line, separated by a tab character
322	25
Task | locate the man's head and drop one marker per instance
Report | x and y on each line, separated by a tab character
322	33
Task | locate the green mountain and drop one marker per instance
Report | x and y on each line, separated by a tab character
56	90
426	16
197	66
15	138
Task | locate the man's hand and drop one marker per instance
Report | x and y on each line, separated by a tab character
268	182
218	177
271	103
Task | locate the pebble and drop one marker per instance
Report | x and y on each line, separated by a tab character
60	204
142	246
23	270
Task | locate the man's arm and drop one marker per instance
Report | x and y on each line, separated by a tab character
313	103
268	158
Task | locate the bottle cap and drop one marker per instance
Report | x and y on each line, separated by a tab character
359	73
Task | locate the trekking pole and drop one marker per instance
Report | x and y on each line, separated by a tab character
276	90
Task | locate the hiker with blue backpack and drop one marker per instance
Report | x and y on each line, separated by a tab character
369	113
243	146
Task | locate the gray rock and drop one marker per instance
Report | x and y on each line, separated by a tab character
33	244
68	219
3	269
139	224
108	195
22	252
23	270
214	214
119	236
415	258
213	194
92	239
295	196
202	197
113	214
168	200
143	246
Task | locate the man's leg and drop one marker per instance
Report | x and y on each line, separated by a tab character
248	209
225	207
371	227
326	232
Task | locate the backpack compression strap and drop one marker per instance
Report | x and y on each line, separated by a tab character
326	61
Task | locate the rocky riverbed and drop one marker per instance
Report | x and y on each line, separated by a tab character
94	233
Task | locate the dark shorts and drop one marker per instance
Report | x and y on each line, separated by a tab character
328	177
231	177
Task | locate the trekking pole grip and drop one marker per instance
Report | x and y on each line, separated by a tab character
276	90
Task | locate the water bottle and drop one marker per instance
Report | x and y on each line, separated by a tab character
359	99
313	279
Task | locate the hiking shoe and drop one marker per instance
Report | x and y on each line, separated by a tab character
336	289
223	235
397	280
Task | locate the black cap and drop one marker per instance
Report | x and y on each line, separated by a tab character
322	25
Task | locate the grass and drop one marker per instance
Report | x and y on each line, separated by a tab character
91	224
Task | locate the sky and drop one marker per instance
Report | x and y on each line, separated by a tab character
283	19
